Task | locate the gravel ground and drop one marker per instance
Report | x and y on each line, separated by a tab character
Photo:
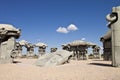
25	69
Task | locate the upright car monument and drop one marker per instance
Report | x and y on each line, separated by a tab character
112	39
8	36
114	25
41	48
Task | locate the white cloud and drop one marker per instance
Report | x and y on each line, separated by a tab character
83	39
62	30
72	27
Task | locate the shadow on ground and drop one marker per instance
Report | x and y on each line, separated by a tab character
101	64
98	60
15	62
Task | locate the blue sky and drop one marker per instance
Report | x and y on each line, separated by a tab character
39	19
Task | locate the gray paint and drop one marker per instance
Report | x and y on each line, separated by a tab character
79	49
114	24
52	59
53	50
30	49
18	49
41	48
8	34
112	43
96	52
107	46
